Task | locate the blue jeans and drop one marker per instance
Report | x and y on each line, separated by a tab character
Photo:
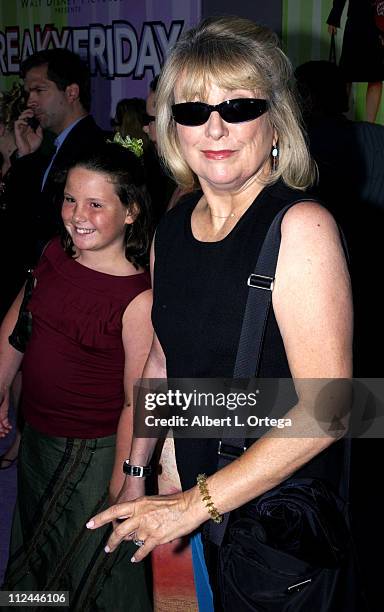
203	588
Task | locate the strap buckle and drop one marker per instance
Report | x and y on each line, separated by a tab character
232	452
257	281
138	471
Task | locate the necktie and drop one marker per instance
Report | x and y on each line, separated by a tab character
49	166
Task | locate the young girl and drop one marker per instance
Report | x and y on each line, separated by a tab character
91	333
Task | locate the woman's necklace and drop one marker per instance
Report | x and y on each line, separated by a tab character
226	216
237	214
232	215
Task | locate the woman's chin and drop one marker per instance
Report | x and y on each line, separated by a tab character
224	183
83	242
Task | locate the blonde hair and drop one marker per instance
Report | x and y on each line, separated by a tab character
233	53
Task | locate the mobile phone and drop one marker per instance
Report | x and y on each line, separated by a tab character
33	123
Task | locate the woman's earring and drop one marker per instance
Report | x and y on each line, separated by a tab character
275	155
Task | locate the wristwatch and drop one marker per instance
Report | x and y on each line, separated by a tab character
139	471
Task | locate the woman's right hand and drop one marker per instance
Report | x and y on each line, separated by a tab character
155	520
132	489
332	30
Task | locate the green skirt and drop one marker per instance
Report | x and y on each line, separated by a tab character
62	482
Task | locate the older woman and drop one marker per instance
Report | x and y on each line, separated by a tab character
228	123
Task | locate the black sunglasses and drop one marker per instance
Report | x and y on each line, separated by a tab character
147	119
232	111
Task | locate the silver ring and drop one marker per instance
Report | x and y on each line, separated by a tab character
139	543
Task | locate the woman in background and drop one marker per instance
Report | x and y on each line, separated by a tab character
129	119
362	56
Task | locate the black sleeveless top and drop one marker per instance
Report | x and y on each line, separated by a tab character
200	293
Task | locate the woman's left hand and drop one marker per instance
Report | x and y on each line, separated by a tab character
152	519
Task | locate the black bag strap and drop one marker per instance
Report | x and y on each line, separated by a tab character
249	351
247	362
332	50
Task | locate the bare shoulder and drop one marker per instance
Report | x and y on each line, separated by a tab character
308	230
312	294
310	242
306	217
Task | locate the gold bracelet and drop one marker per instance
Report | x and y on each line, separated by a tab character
202	484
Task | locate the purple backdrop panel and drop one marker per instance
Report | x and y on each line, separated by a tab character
125	43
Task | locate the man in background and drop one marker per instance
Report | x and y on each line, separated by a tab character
57	85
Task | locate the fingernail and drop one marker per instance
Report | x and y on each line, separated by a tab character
107	549
90	524
133	560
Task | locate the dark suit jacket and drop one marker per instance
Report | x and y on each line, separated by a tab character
42	209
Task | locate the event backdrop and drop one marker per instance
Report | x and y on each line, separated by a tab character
124	41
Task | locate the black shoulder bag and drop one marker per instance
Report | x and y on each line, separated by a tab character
23	328
290	549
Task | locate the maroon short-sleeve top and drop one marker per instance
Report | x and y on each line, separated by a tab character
74	364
